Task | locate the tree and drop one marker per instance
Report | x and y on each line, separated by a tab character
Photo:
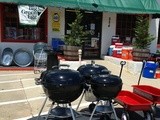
142	37
75	38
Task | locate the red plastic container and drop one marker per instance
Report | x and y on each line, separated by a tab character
133	102
148	92
157	75
115	39
118	45
117	52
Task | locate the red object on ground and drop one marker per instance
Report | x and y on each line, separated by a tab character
133	102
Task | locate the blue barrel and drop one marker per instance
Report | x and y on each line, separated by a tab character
149	69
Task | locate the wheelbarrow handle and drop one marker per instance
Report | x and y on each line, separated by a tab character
122	63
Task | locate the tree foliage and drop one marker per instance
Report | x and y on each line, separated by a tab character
77	35
142	36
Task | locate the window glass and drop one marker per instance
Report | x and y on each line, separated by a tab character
125	27
15	32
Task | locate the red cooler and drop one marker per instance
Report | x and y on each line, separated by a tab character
125	53
117	52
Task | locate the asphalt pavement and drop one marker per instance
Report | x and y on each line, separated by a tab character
22	99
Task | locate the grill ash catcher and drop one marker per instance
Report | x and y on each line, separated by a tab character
101	87
61	86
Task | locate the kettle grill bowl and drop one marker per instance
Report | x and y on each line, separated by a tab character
63	93
106	92
106	87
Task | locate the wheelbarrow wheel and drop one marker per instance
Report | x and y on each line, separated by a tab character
148	116
125	116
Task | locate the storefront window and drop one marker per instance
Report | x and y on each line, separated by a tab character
12	31
125	26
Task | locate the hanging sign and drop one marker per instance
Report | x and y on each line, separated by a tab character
30	14
56	21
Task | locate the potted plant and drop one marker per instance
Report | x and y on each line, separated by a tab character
142	39
74	40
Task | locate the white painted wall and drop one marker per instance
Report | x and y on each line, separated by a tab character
153	29
51	33
107	31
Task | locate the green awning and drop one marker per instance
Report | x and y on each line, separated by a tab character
118	6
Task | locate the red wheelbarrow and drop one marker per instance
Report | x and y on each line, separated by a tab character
133	102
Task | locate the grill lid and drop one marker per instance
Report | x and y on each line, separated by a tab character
61	77
107	80
93	69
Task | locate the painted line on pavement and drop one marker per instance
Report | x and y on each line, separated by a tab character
16	74
26	88
44	113
17	80
20	101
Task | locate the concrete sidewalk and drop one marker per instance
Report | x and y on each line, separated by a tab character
21	99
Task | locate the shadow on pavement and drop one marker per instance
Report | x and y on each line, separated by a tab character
85	115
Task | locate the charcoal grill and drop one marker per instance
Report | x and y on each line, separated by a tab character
104	85
61	86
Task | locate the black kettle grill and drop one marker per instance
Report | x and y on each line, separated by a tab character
58	85
62	86
104	86
89	70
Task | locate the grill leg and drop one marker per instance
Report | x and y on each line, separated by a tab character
73	117
42	108
94	110
49	110
114	111
80	99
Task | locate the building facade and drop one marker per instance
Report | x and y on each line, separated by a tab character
103	25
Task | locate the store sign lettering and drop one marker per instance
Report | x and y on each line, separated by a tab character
30	15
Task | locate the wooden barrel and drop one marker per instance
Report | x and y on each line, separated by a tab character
71	53
140	54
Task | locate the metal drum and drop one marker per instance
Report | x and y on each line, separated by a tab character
39	47
23	57
7	56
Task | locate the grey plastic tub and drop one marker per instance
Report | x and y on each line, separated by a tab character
7	57
23	57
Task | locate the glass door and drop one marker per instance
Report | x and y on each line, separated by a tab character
92	22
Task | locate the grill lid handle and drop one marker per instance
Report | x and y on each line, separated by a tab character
59	66
92	62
